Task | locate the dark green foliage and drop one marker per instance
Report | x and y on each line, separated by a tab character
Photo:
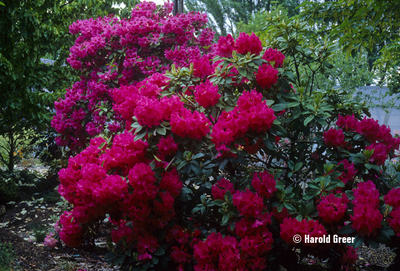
7	256
371	24
52	197
8	187
30	32
39	231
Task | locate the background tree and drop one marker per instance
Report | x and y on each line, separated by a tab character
373	25
33	30
224	15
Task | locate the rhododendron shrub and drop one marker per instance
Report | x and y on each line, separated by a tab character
217	170
113	53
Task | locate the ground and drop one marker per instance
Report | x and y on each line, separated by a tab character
15	227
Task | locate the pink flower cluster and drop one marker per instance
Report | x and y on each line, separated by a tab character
273	55
332	208
264	183
393	199
187	124
207	94
144	102
102	42
226	253
267	76
380	137
291	226
251	113
366	218
93	183
50	241
334	138
350	171
219	189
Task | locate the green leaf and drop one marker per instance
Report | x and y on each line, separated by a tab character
289	206
161	130
2	4
298	166
310	206
199	155
159	252
308	119
219	202
279	107
258	61
242	71
346	230
370	28
197	169
358	241
196	209
225	219
140	135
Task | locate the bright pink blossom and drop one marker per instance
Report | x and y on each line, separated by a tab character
267	75
393	198
187	124
207	94
225	46
334	138
394	221
264	184
202	67
221	187
366	219
248	44
248	203
380	155
273	55
351	171
332	208
347	123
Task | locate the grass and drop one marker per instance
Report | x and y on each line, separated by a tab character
7	256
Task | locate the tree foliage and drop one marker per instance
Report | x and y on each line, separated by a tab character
224	15
32	31
356	23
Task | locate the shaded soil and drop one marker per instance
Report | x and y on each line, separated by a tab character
16	228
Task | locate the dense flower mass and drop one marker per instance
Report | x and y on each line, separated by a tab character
248	44
248	203
207	94
334	138
221	187
225	46
264	183
332	208
366	218
292	226
251	113
267	76
188	164
393	198
187	124
272	55
108	40
350	171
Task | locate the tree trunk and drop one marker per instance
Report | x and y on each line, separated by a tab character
178	7
10	164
